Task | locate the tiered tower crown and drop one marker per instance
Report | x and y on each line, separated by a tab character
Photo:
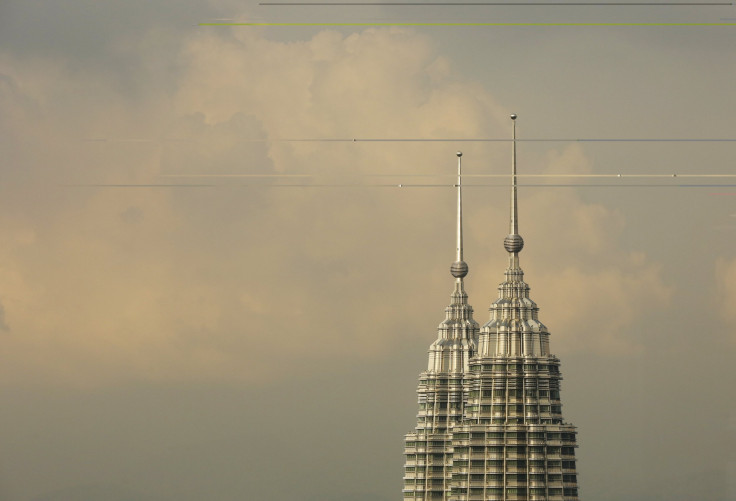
514	328
457	334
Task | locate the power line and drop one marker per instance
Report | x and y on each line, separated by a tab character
492	4
614	176
401	185
427	140
462	24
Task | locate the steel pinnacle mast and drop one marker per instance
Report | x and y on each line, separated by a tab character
459	268
514	226
513	242
459	207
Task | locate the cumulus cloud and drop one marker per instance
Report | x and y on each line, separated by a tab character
595	288
245	282
231	283
725	275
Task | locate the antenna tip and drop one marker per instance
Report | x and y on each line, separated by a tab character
459	153
513	116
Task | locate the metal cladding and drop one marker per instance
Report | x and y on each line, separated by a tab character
490	422
513	243
459	269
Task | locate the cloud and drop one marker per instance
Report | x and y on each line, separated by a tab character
725	275
230	283
3	326
250	283
596	289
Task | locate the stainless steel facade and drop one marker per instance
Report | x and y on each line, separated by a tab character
490	422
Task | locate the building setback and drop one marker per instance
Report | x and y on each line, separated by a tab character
490	423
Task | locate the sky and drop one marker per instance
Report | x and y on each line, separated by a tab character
193	305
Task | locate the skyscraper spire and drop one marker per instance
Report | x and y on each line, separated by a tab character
513	243
457	334
459	268
514	227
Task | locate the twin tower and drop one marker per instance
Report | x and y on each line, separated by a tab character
490	426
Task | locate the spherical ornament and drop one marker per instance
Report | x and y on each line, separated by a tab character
513	243
459	269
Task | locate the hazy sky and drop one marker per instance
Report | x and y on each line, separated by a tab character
246	341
